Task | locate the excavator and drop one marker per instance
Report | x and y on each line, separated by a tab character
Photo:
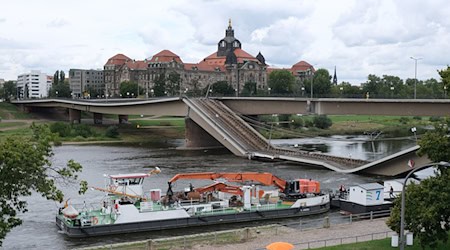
293	189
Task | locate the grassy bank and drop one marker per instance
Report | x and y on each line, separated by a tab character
9	111
384	244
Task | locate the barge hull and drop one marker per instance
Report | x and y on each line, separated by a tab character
355	208
194	221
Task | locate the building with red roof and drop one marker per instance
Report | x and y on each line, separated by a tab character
229	63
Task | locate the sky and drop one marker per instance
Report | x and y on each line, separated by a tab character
357	37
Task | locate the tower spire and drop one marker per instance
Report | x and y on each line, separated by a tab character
335	77
229	23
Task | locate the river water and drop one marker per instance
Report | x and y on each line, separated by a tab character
40	232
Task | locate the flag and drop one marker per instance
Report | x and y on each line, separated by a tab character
411	163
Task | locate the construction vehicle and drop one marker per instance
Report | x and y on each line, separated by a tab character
292	189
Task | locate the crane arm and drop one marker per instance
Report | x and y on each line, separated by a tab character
266	179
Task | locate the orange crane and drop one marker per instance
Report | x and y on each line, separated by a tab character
294	188
266	179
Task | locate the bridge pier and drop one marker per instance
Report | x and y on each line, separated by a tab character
98	118
123	119
74	115
197	137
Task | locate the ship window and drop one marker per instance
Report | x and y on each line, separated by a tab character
135	181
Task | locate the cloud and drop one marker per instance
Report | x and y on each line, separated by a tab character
57	23
358	37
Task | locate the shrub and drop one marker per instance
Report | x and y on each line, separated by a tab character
322	122
419	118
309	123
404	120
112	132
82	130
298	121
435	119
61	128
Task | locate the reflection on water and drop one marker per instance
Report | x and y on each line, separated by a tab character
357	147
39	228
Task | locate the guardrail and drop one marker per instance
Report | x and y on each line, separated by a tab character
341	240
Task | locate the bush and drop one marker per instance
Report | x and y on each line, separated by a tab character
322	122
419	118
309	124
404	120
82	130
61	128
298	121
112	132
435	119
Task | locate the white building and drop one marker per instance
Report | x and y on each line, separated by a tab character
33	85
2	82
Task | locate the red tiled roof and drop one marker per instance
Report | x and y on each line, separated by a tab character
203	66
302	66
118	59
166	56
241	56
132	64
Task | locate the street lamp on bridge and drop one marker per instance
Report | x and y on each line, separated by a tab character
415	74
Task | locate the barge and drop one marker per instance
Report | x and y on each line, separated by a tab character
126	209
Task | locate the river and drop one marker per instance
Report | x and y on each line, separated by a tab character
39	231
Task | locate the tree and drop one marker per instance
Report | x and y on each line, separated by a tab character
173	84
435	144
222	88
128	89
281	82
445	75
61	89
25	167
427	214
322	83
9	90
249	89
322	121
160	85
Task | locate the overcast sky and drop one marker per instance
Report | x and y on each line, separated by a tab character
358	37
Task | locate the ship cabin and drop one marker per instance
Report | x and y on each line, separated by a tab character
128	184
366	194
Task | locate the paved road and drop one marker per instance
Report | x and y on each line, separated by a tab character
299	238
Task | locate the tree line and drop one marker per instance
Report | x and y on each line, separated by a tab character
280	83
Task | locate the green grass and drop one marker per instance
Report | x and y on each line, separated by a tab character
21	132
179	122
380	245
10	111
11	124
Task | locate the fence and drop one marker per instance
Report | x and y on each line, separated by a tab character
250	233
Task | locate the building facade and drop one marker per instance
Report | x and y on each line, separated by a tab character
33	85
86	83
229	63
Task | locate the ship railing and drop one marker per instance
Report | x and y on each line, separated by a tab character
232	210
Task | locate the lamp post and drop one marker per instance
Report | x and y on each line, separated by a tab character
402	209
392	92
414	130
415	75
269	89
445	92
